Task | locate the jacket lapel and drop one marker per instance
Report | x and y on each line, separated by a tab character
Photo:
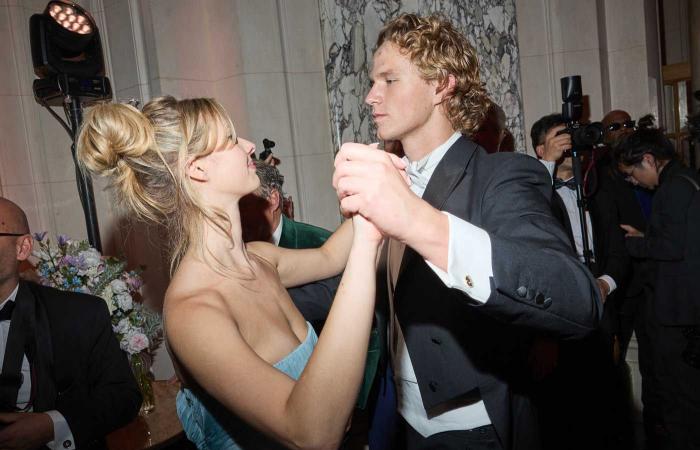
40	350
448	173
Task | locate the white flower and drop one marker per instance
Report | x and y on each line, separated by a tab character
134	342
91	258
123	300
107	295
119	286
122	327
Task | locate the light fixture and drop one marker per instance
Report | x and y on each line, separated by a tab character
67	58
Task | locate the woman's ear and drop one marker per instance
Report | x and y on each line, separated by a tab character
196	170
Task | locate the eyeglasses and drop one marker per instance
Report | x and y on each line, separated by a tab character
618	125
13	234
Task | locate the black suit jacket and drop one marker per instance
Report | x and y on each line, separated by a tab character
461	349
79	369
672	242
611	256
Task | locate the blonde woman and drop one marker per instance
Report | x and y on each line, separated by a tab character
242	350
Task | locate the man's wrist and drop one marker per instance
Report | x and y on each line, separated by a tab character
428	233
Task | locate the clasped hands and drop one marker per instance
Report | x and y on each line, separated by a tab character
374	184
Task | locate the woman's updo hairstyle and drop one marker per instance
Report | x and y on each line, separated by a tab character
145	155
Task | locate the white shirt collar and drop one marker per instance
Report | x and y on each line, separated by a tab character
426	166
12	296
277	234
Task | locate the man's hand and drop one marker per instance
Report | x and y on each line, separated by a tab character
631	231
554	146
604	289
25	431
373	183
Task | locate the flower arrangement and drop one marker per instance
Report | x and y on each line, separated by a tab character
76	266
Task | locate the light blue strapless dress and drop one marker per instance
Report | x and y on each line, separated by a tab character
211	427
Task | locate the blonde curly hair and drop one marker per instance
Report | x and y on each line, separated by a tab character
438	50
145	155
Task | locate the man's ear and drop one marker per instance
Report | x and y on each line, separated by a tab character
275	199
24	247
445	88
540	151
195	169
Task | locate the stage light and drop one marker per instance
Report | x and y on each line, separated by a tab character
67	58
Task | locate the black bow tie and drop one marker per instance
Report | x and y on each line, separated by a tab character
559	183
6	311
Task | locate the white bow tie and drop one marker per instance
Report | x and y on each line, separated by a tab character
418	176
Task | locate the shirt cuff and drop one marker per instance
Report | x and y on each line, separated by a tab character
62	435
550	166
469	265
608	279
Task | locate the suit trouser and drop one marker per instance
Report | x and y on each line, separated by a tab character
679	387
634	315
482	438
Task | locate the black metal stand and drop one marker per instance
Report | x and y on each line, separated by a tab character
87	197
582	205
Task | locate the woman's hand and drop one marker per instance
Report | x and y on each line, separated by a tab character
365	231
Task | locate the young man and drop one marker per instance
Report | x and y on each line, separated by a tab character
475	260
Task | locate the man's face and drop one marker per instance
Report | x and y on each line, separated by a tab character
9	249
402	101
619	118
644	174
257	217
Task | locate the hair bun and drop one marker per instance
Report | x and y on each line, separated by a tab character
111	136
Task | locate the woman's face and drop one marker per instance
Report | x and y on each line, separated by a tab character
644	174
230	168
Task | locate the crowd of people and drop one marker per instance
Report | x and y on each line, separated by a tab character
466	302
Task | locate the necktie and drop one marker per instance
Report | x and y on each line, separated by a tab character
417	176
570	183
6	311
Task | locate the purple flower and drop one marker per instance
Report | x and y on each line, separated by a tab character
63	240
40	236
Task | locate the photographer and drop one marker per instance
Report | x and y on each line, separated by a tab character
671	241
588	364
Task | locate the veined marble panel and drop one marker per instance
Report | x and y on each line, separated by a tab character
349	31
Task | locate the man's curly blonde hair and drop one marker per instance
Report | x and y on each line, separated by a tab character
438	50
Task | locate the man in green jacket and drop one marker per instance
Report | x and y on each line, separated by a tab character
262	218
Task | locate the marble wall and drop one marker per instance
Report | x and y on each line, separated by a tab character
350	29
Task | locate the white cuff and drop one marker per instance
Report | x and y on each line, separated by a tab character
62	435
608	279
550	165
469	266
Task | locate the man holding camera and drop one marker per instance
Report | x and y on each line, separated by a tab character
588	364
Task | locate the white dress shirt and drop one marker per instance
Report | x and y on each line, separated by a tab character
277	234
62	435
568	196
469	253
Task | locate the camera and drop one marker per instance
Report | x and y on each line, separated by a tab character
583	136
267	144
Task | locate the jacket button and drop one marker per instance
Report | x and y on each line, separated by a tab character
521	291
468	280
433	386
67	444
539	298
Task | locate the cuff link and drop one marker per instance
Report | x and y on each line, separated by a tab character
469	282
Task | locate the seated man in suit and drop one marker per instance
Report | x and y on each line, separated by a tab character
65	382
588	364
262	218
